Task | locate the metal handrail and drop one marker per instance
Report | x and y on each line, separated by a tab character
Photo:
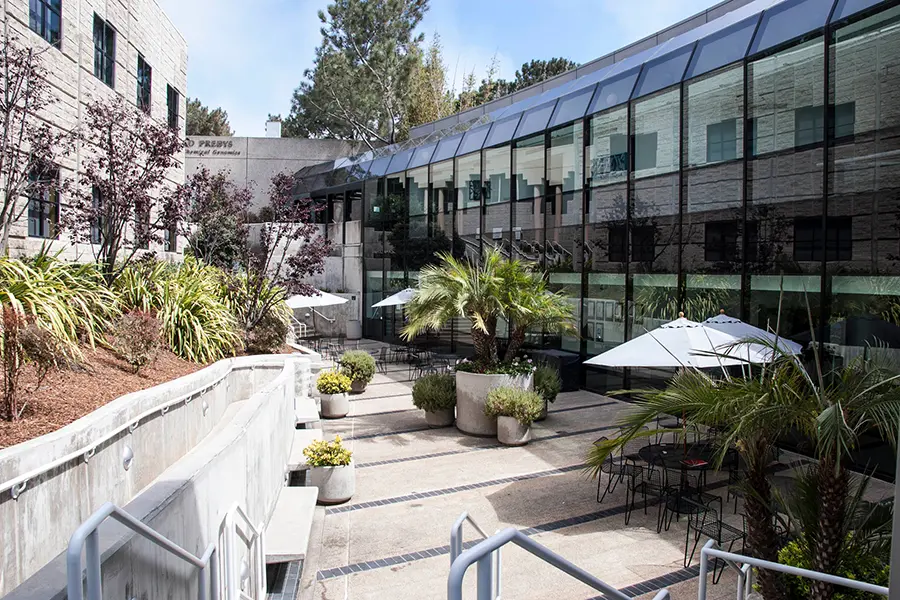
323	316
255	537
87	537
710	549
456	548
481	554
17	484
304	328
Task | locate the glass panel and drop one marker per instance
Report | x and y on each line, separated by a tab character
613	92
663	72
473	140
417	183
565	158
529	167
400	161
441	208
722	48
845	8
656	134
373	258
608	147
502	131
496	226
358	172
379	166
572	107
446	148
421	156
714	118
655	301
496	175
788	20
535	120
468	181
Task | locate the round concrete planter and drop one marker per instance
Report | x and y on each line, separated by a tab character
335	406
471	394
512	433
439	418
358	387
543	414
336	484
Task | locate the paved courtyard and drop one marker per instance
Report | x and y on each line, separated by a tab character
391	540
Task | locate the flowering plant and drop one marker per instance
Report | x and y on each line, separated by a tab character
333	382
321	453
517	366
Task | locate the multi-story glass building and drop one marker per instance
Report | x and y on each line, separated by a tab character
751	159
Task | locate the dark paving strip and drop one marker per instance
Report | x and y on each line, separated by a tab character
451	490
382	397
657	583
367	436
584	407
383	412
554	436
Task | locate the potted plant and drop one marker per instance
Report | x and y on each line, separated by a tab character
333	387
515	411
547	384
436	395
486	292
359	366
331	470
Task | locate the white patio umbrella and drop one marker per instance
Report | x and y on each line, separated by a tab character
397	299
320	299
739	329
681	343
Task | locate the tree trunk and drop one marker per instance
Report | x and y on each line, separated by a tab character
827	550
762	538
486	343
516	340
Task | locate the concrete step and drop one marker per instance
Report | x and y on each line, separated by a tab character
302	439
287	534
306	414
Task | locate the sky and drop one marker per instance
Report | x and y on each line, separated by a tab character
248	56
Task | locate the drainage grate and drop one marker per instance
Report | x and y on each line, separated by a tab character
283	580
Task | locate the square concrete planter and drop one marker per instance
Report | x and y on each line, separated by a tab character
335	406
512	433
336	484
471	393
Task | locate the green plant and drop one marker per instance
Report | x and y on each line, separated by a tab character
322	453
861	566
136	338
435	392
523	405
358	365
333	382
547	382
516	366
269	334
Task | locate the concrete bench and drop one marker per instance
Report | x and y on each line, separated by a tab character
306	414
287	534
302	439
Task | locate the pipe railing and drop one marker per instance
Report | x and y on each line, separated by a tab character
456	548
481	555
745	564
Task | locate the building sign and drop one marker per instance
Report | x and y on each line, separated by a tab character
212	148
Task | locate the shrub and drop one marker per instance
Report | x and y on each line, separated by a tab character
524	406
517	366
136	338
322	453
358	365
547	382
435	392
859	565
268	336
333	382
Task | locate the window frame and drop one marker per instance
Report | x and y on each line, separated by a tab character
43	22
104	57
48	196
173	102
144	84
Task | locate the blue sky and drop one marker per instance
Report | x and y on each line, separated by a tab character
247	56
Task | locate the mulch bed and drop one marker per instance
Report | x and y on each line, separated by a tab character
65	396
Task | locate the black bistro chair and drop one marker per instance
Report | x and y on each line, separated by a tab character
617	466
705	521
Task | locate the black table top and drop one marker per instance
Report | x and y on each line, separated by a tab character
674	456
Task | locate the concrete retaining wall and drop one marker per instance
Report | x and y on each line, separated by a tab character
187	485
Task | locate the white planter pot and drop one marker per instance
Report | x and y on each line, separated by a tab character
471	394
512	433
336	484
335	406
440	418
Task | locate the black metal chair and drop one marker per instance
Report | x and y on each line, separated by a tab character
382	359
650	485
705	521
617	467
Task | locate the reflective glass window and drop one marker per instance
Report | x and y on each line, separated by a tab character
656	134
417	184
358	171
502	131
421	156
496	175
613	92
608	147
846	8
528	158
400	161
565	158
468	180
722	48
535	120
713	113
379	166
572	107
663	72
446	148
473	140
788	20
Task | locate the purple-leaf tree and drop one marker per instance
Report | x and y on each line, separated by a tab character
29	147
123	202
289	249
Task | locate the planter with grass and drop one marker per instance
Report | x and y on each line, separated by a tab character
331	470
333	387
548	385
359	366
473	384
515	411
436	395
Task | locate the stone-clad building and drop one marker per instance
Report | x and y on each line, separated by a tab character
93	48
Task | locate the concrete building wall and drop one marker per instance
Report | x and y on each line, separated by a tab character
141	27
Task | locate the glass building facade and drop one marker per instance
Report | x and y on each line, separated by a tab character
750	163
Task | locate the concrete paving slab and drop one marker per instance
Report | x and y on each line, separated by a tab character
287	533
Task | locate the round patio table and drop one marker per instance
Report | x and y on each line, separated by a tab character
675	456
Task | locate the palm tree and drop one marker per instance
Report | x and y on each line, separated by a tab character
751	414
485	292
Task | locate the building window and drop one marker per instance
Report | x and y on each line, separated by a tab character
97	224
43	204
618	234
173	99
721	241
808	239
144	84
809	125
643	243
45	20
170	239
104	52
644	151
844	120
721	141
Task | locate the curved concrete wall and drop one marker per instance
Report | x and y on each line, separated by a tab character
190	482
